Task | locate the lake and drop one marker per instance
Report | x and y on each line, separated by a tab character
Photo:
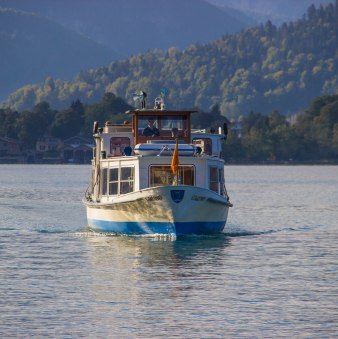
274	272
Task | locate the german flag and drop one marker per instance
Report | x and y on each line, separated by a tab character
175	162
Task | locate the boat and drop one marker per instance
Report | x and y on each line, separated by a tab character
154	175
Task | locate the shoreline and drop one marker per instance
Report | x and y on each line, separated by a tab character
230	163
282	163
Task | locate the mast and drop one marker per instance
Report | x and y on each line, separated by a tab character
96	178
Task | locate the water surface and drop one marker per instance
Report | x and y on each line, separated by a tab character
273	273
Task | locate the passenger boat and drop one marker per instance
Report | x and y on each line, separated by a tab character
154	175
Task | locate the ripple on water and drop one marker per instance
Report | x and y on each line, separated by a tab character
273	273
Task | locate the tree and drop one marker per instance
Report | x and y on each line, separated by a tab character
30	126
68	122
43	108
7	123
232	148
110	108
275	119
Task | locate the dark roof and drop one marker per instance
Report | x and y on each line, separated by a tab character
83	140
5	139
160	112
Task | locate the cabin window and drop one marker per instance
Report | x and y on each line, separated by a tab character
121	180
104	173
117	145
148	126
164	126
213	178
113	181
205	144
127	180
163	175
174	126
221	180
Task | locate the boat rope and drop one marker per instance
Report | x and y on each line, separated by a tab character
91	186
165	148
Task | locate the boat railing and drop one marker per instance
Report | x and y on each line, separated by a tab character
165	148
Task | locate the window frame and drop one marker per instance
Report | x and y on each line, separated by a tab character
103	181
111	182
121	151
193	167
130	181
221	180
208	142
216	181
107	182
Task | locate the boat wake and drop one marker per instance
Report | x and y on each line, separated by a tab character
7	229
231	231
93	234
235	231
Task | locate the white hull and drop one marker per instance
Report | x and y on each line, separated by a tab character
165	210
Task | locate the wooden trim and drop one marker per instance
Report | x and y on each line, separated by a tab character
142	139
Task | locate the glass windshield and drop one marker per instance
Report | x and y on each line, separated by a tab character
166	126
148	126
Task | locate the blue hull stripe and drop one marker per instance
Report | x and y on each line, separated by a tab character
179	228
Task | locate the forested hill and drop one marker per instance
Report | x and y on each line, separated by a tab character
259	69
278	11
33	47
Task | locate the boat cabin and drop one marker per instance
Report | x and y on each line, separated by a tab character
154	175
137	154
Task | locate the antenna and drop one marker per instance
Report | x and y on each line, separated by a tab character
140	98
164	92
159	101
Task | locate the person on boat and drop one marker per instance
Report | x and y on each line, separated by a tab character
174	132
151	130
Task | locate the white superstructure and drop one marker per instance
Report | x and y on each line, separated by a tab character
134	189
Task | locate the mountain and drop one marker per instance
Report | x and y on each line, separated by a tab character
277	11
134	26
33	47
260	69
40	38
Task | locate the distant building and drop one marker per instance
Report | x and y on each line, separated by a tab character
10	147
11	151
47	144
78	150
46	150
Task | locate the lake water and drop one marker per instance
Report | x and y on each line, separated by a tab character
273	273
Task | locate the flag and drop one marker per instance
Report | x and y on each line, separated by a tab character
175	162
